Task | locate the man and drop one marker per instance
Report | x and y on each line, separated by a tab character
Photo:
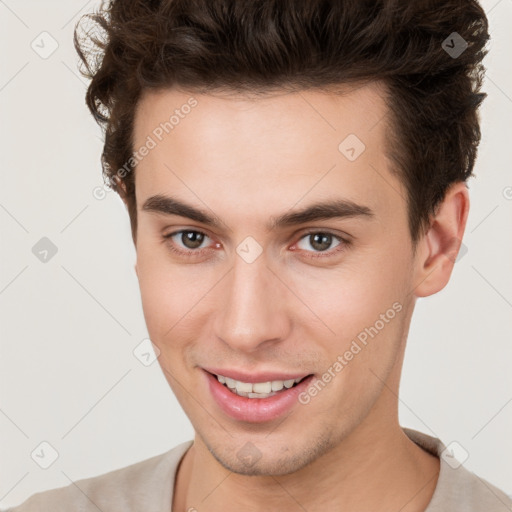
294	173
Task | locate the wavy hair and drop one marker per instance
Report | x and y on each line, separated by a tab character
129	46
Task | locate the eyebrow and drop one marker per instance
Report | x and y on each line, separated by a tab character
340	208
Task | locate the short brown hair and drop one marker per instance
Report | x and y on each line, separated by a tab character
259	45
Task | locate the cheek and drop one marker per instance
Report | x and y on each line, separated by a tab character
162	289
364	303
171	294
353	297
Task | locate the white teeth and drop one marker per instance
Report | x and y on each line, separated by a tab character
259	395
277	385
257	389
262	387
245	387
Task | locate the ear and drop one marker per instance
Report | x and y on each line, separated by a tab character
438	249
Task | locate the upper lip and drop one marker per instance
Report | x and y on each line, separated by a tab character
262	376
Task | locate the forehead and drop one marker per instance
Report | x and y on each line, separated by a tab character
275	149
356	109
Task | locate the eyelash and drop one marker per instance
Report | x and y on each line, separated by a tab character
344	243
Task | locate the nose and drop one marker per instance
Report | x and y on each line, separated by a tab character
252	309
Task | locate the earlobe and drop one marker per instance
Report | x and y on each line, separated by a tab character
439	247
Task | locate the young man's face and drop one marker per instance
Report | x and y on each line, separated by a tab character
262	302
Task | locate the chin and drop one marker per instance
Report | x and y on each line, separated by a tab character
249	460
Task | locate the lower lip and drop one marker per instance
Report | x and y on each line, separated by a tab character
255	410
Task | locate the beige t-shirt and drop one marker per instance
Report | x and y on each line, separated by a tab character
148	486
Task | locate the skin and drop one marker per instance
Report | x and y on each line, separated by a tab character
246	160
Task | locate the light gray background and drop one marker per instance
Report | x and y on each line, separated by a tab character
68	374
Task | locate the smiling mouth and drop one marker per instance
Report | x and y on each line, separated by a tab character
258	389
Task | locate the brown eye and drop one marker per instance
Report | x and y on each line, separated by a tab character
186	240
319	241
192	239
